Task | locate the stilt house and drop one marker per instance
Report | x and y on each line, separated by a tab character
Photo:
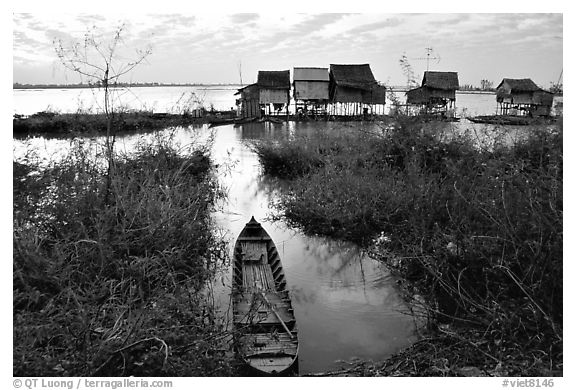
274	89
355	91
249	101
311	91
436	95
523	97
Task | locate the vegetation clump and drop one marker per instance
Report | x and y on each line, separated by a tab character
115	285
474	233
62	124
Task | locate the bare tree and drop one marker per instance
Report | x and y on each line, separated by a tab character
408	71
98	61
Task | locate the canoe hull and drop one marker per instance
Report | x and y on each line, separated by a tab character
266	335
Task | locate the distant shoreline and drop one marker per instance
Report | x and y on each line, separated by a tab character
146	85
122	85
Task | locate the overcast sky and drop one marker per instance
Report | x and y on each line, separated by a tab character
208	47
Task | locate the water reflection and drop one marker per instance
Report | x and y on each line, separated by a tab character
345	303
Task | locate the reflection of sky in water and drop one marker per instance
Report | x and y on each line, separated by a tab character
345	303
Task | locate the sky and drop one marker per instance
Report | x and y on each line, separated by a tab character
227	46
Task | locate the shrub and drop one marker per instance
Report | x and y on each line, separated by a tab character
116	288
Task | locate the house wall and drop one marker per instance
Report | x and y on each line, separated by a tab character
442	93
310	90
250	108
375	96
274	96
347	95
522	98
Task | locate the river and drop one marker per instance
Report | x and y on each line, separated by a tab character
175	98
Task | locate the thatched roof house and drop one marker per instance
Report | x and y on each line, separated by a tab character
447	81
436	88
249	101
311	84
355	84
274	79
523	95
274	86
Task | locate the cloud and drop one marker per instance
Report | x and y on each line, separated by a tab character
90	19
244	18
175	20
390	22
315	23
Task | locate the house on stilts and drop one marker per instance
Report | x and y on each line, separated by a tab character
522	97
354	91
270	95
311	92
249	101
436	95
274	89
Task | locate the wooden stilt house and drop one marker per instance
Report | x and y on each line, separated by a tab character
274	87
311	91
523	97
249	101
436	95
355	91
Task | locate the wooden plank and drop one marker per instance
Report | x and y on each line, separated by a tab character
268	343
254	251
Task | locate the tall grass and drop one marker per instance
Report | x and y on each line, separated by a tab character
475	234
116	288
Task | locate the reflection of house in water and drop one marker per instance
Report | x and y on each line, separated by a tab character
311	91
436	95
355	91
523	97
268	96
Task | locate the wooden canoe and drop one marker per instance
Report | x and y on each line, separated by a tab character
265	330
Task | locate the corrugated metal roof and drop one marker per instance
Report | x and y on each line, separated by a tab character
354	76
440	80
520	85
311	74
274	79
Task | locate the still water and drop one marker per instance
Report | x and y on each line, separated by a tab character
173	99
346	303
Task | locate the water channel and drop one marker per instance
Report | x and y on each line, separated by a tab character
346	303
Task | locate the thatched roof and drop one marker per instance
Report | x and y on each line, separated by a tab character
353	76
418	95
240	90
311	74
520	85
274	79
441	80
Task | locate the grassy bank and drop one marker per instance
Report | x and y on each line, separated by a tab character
475	234
48	123
116	288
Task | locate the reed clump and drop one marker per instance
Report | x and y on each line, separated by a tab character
116	288
474	233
